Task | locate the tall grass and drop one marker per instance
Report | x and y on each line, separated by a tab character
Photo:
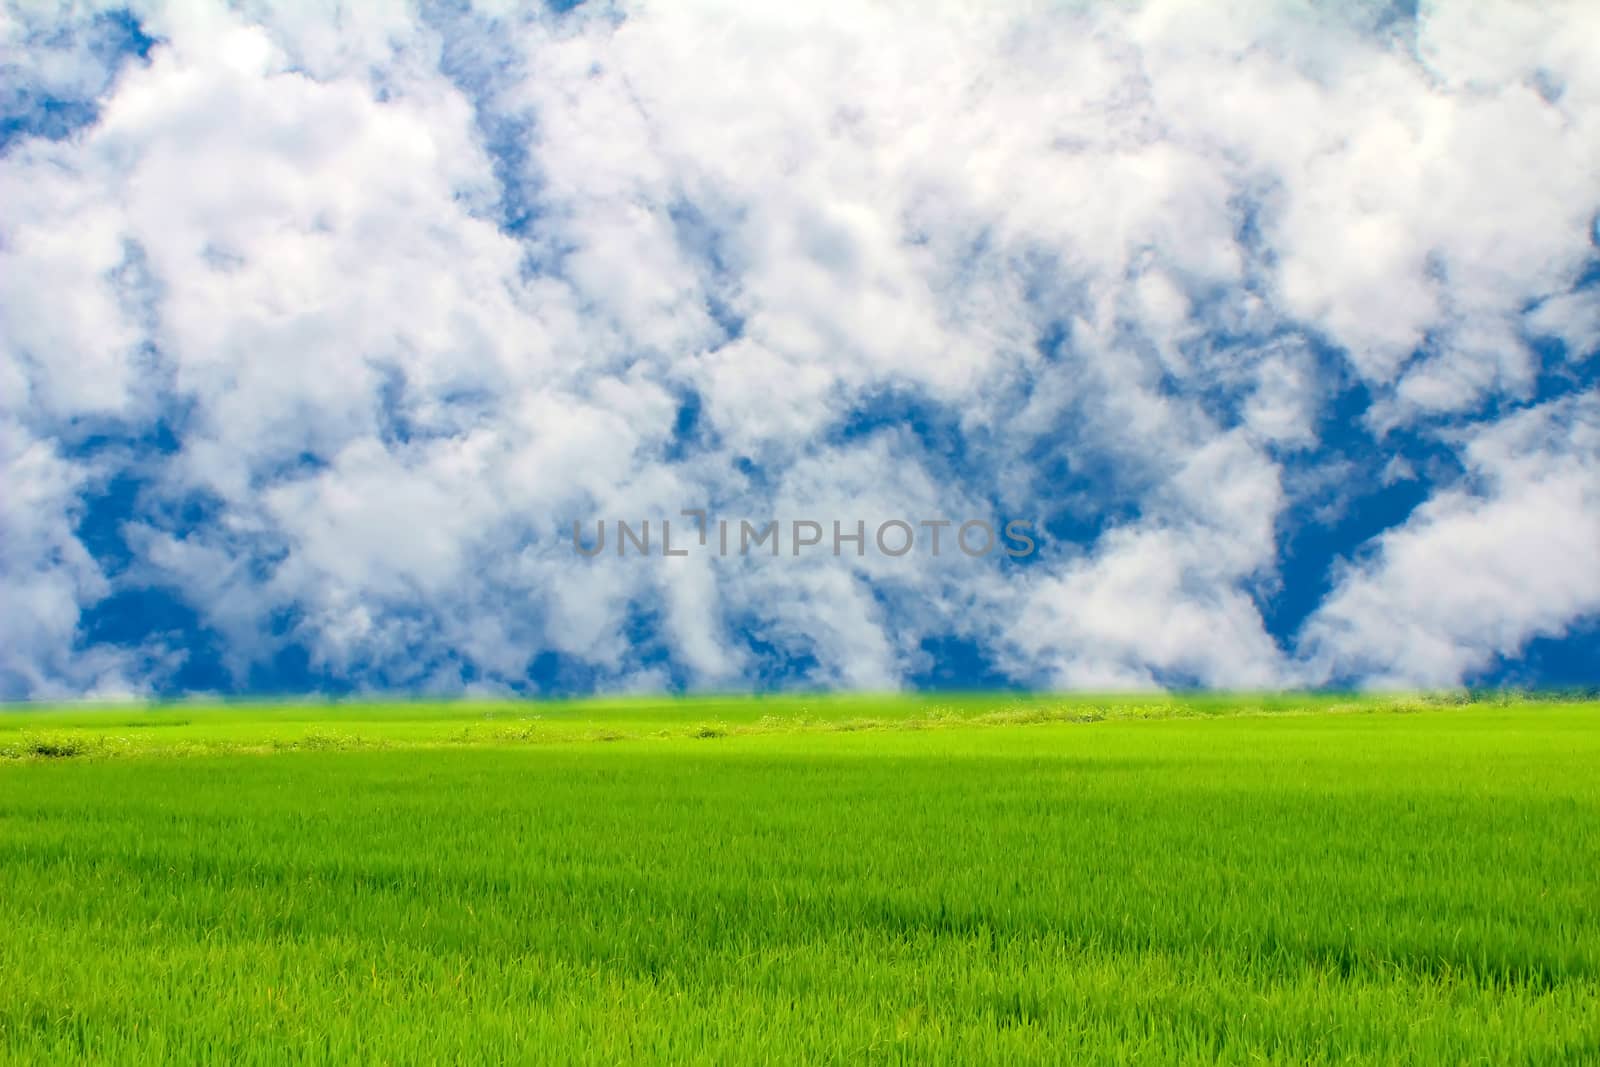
1204	887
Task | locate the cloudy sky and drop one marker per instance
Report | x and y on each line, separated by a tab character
319	331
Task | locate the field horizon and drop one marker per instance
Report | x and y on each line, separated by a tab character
211	726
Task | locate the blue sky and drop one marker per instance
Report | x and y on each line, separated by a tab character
318	333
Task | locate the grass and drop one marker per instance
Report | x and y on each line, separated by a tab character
974	879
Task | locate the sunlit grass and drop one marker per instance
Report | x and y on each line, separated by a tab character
952	879
215	728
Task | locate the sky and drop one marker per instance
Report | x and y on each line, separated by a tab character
322	325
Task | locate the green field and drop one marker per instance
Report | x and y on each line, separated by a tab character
917	880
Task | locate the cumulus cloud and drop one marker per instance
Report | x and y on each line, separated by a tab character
377	303
1478	569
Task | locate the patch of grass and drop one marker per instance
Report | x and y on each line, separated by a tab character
317	740
58	748
917	880
200	729
48	746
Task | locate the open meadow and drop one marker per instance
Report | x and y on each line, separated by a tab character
983	879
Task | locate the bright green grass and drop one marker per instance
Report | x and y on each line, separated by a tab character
966	880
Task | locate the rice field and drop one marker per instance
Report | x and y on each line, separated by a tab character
952	879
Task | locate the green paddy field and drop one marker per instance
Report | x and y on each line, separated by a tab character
945	879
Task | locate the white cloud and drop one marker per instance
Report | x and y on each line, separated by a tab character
1477	571
282	237
1164	600
48	577
1574	318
